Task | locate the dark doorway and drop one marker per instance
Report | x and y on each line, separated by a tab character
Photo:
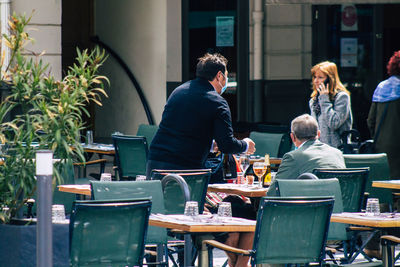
373	39
216	26
77	28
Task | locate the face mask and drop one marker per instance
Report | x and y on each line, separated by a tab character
224	87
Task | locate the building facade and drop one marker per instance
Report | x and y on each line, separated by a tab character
270	44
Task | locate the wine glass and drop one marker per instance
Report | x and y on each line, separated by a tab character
244	162
259	169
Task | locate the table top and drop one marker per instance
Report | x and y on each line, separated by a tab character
83	189
99	148
206	223
358	218
276	161
391	184
238	189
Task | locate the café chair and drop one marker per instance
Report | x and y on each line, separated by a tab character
279	237
139	189
352	184
148	131
378	170
197	181
389	243
108	233
267	143
130	156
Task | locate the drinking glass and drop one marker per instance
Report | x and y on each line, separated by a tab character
244	162
259	169
57	213
224	209
105	177
140	177
191	208
372	206
89	137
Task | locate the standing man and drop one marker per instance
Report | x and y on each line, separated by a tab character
194	116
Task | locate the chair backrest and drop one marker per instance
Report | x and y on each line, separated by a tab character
291	230
197	181
148	131
352	184
110	233
267	143
378	170
135	189
68	175
313	188
130	155
286	142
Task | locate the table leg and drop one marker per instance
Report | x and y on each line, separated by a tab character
188	250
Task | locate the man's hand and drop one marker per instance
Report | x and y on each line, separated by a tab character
251	146
215	147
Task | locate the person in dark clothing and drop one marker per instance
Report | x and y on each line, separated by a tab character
194	116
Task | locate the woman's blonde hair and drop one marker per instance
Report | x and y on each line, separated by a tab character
335	85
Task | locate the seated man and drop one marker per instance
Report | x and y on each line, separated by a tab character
310	154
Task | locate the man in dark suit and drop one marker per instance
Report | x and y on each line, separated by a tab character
194	116
310	152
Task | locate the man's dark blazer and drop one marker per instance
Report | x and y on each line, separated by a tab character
194	115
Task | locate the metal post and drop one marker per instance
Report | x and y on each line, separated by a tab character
44	238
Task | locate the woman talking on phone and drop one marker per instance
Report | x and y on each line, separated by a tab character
330	103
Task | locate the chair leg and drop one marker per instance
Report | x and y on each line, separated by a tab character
387	254
210	256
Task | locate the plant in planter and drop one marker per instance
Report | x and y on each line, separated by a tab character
45	114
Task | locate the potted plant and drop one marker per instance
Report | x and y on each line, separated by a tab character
40	112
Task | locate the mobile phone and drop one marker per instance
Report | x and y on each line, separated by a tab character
326	82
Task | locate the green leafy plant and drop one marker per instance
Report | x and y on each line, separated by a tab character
41	113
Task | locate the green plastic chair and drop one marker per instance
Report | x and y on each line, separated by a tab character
110	233
197	181
139	189
312	188
267	143
130	156
148	131
280	238
352	184
378	170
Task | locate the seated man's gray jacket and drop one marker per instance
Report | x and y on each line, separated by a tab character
311	155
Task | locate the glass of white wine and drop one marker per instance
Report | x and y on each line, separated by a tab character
259	169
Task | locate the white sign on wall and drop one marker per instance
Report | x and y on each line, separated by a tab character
224	30
348	52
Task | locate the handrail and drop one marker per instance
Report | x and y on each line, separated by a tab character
96	40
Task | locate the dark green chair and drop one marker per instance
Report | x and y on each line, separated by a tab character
108	233
148	131
352	184
130	156
197	181
378	170
140	189
267	143
312	188
280	238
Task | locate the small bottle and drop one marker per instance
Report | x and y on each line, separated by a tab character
267	175
250	172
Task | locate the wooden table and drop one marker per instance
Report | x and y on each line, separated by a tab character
238	189
101	149
391	184
384	220
273	161
208	224
83	189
